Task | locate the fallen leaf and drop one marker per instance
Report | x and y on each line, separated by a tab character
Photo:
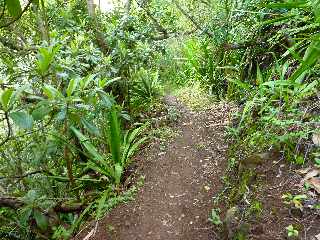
303	170
91	233
316	138
315	183
311	174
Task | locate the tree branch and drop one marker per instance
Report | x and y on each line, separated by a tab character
3	9
26	175
66	208
10	202
172	34
6	117
20	15
191	18
236	46
156	23
16	203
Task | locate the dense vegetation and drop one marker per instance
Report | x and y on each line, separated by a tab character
77	85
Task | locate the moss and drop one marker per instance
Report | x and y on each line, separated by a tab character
240	188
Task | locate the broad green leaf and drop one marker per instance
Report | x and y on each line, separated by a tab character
273	84
106	100
31	196
41	220
84	82
45	58
61	114
51	92
72	86
276	20
240	84
289	4
114	135
104	170
310	58
24	215
259	76
91	127
308	89
93	152
5	98
135	133
40	112
118	171
301	197
44	61
22	119
316	9
125	116
74	117
14	7
105	82
128	153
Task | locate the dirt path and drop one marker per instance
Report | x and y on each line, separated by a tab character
176	199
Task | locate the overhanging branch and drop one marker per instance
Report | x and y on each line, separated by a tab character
191	18
159	27
20	15
16	203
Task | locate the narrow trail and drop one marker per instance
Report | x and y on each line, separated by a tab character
176	199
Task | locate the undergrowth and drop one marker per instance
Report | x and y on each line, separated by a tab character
81	89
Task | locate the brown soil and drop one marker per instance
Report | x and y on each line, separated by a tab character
264	215
176	199
276	215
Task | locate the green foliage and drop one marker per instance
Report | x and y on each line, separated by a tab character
13	7
295	200
69	81
214	217
65	129
274	112
115	139
195	97
292	232
146	86
45	58
22	119
121	149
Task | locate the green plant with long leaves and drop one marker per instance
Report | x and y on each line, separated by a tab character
121	148
146	87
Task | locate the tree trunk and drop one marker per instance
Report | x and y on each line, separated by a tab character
100	41
42	20
91	8
128	7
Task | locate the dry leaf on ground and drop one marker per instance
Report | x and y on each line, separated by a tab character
311	174
316	138
303	170
311	178
315	183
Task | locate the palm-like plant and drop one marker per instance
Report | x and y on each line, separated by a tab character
121	148
147	86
